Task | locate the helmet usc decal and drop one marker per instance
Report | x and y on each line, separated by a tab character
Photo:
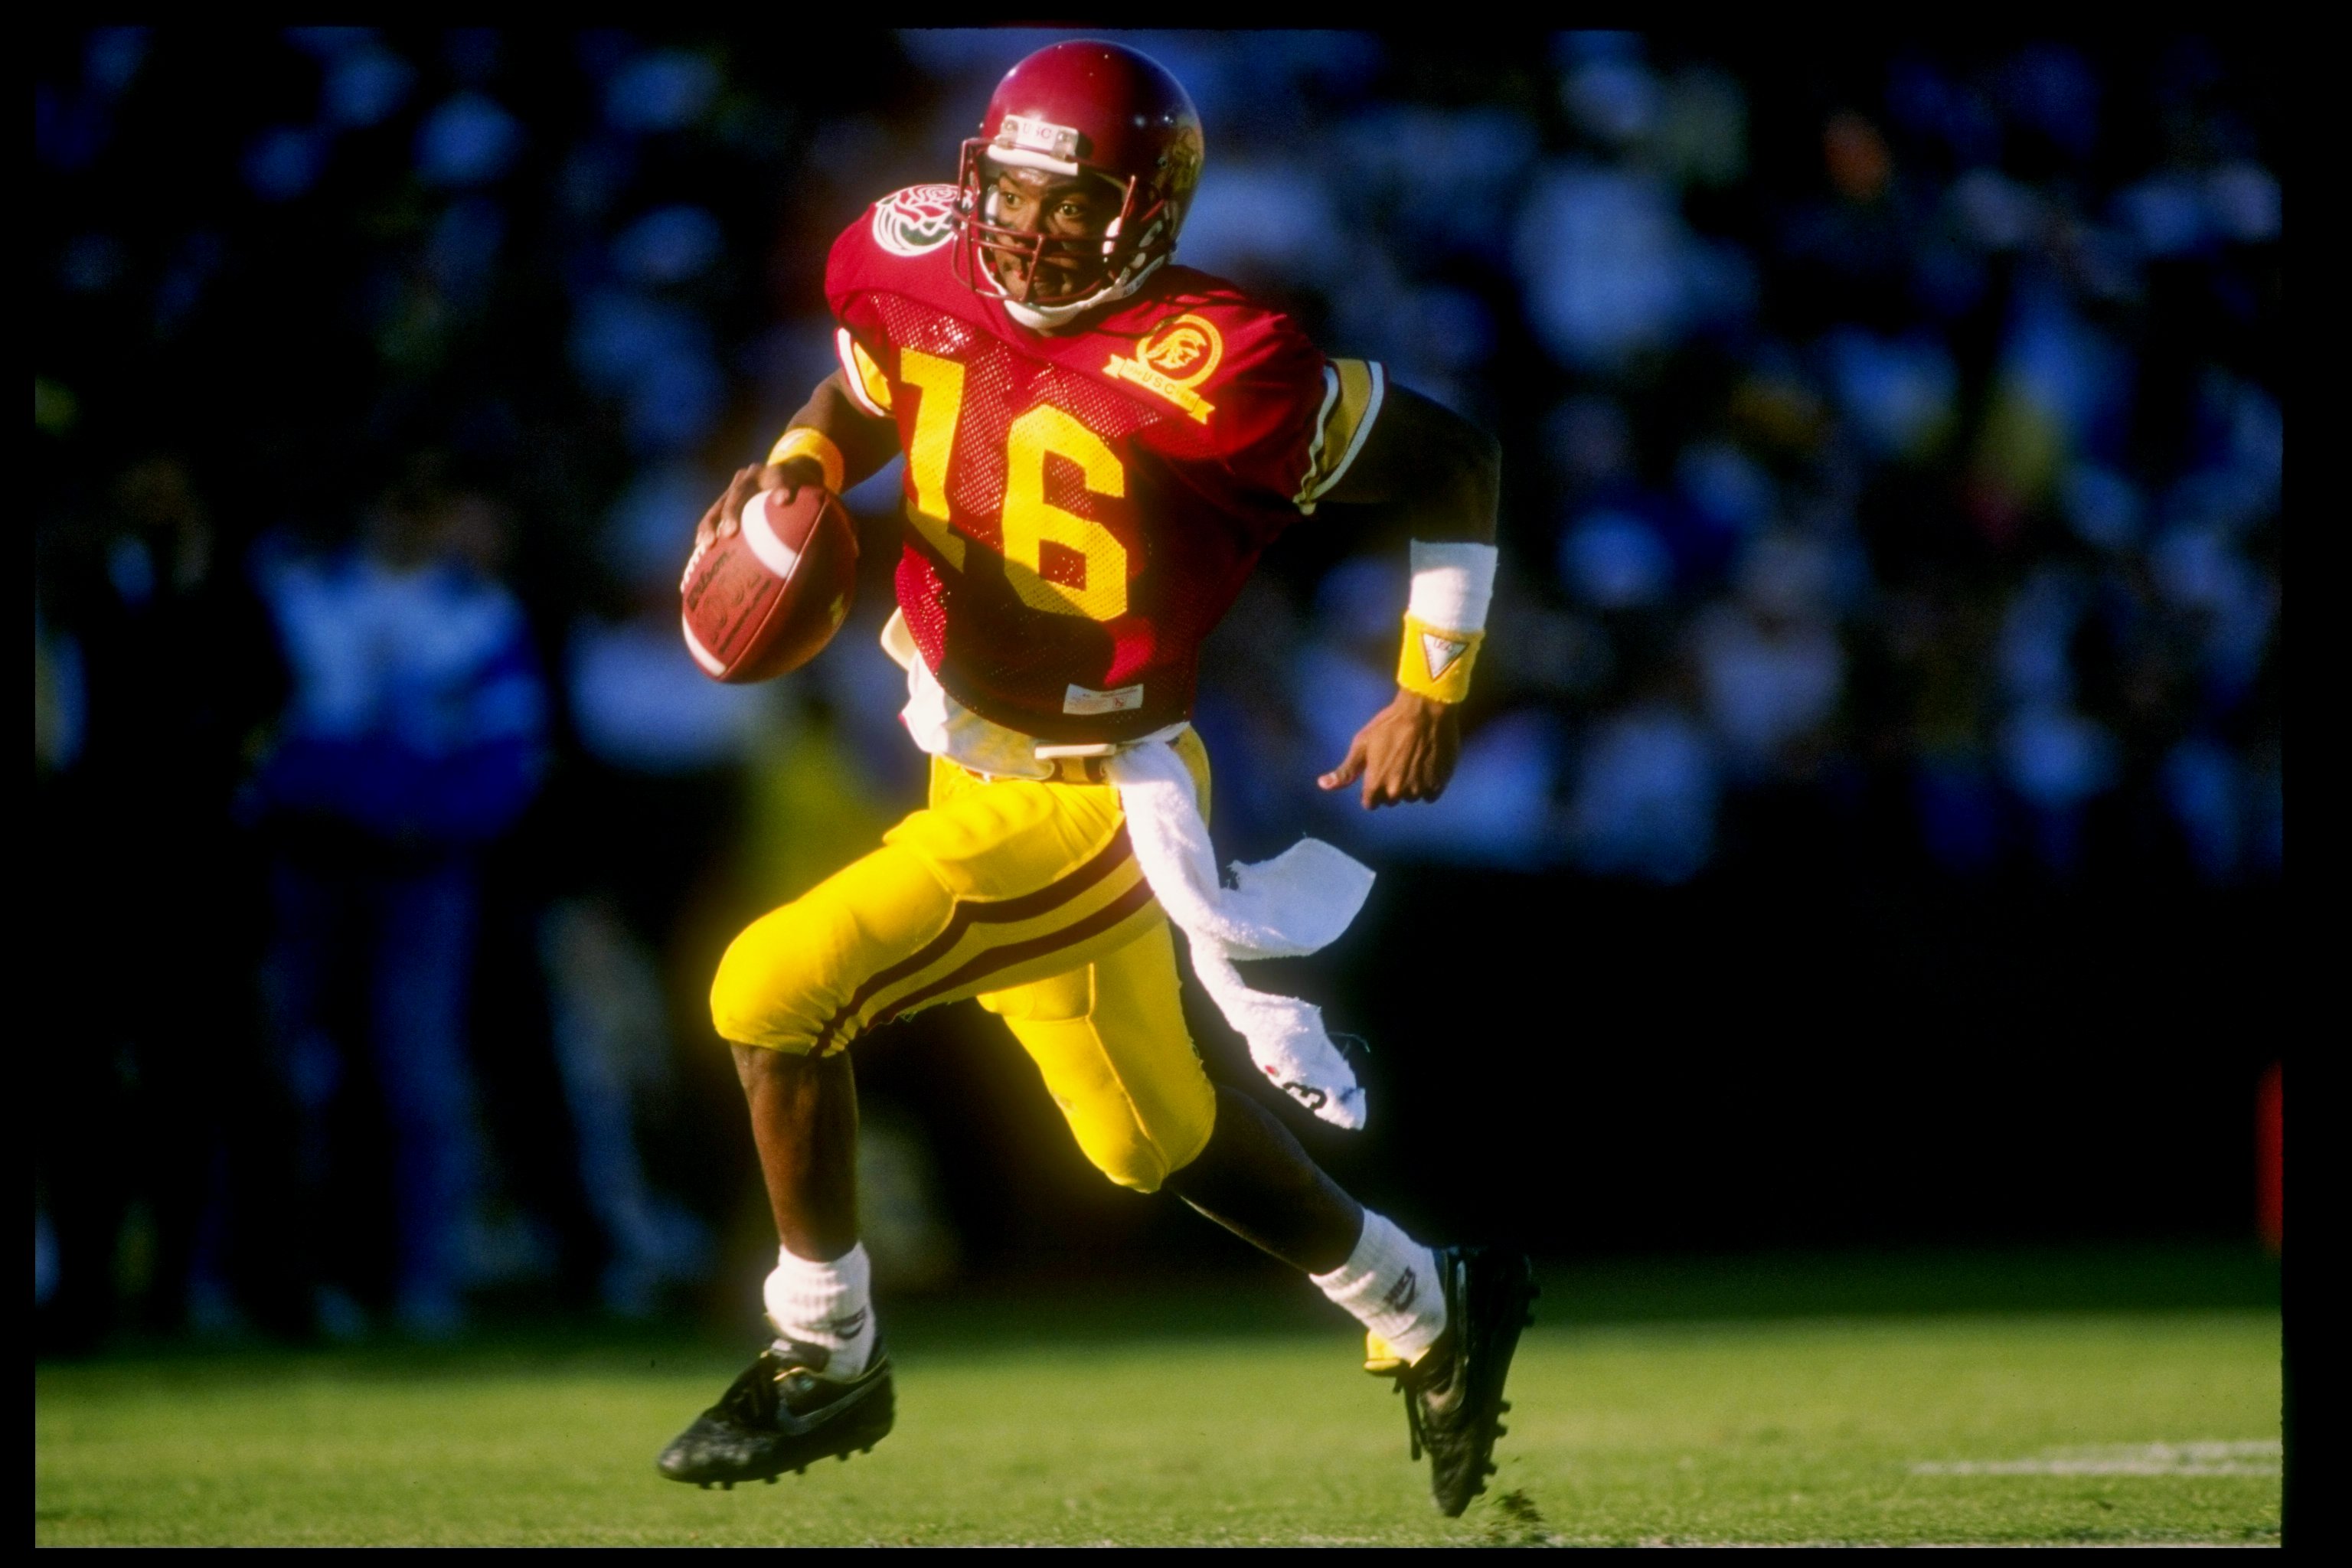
917	219
1172	359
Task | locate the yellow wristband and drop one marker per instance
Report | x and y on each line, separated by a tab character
806	441
1435	663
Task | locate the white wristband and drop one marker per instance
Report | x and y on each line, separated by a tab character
1452	585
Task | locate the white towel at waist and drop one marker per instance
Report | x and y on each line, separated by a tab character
1296	904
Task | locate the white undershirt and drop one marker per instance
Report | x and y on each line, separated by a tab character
944	727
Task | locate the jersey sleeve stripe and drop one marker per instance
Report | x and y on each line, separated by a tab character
1353	391
1315	446
868	388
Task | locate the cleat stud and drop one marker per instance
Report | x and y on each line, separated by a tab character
1505	1407
726	1486
770	1480
844	1458
1501	1430
706	1485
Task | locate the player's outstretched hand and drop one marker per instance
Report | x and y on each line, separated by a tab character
1406	752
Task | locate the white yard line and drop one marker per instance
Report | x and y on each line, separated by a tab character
2259	1456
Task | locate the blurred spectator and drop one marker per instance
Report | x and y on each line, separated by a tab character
415	736
665	751
154	675
1770	669
1645	796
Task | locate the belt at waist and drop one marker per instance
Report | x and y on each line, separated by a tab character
1067	770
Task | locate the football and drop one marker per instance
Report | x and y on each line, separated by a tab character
762	600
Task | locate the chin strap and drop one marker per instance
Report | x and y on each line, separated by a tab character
1051	318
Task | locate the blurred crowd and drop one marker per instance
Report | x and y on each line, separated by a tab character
1893	448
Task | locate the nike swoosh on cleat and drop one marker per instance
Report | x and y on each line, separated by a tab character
794	1426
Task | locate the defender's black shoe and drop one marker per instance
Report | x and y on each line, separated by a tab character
1454	1395
782	1415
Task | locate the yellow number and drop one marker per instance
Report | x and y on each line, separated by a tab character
1030	520
940	381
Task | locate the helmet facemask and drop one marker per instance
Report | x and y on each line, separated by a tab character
1140	236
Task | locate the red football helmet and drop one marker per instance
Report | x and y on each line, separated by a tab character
1085	107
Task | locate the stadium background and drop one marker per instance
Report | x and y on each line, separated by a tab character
1870	831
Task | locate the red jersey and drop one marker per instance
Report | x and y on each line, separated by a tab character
1082	506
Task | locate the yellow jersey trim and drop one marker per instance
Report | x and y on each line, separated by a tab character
868	387
1353	390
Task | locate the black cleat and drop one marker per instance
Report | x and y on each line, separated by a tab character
1453	1394
779	1415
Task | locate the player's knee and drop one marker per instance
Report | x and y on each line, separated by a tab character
765	992
1134	1162
1142	1154
790	980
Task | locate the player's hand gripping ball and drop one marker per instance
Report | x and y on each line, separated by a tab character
762	600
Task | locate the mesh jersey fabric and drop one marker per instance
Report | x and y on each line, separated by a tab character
1083	507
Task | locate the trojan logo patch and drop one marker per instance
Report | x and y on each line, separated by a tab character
917	219
1440	653
1173	358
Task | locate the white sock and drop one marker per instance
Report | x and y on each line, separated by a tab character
1390	1283
824	1305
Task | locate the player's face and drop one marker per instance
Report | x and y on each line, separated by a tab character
1071	213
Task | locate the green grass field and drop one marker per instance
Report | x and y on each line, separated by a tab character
1998	1400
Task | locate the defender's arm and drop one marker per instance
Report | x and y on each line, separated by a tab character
1445	475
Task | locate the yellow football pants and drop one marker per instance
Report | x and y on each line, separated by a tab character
1025	895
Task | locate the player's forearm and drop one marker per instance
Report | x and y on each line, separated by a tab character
1444	476
861	442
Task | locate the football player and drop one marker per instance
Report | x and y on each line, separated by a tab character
1099	444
